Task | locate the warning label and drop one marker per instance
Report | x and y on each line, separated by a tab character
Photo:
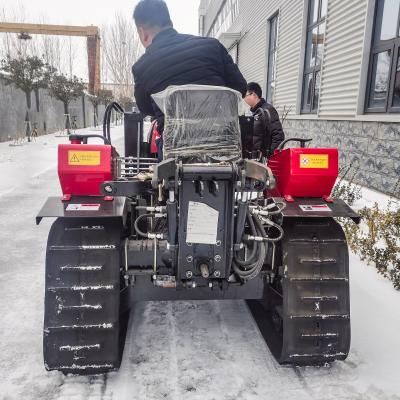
316	208
83	157
83	207
314	161
202	224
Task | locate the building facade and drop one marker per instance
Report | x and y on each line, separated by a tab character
330	67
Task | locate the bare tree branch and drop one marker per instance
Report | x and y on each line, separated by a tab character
121	48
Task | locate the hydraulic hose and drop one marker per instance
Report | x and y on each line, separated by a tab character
254	249
138	219
247	272
107	118
265	237
146	234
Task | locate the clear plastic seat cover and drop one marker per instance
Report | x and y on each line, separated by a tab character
200	121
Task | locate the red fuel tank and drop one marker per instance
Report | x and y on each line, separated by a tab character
305	172
82	168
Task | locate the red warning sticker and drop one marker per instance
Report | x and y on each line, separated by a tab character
315	208
83	207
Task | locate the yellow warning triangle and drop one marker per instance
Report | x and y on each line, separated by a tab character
74	159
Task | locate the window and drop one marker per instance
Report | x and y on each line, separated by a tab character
272	54
383	93
313	58
225	18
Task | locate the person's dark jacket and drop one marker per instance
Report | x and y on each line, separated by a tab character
268	131
176	59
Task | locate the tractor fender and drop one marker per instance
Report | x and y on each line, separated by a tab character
84	207
317	208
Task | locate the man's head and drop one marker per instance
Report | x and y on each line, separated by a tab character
151	17
253	94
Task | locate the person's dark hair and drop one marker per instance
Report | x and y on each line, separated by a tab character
254	87
152	14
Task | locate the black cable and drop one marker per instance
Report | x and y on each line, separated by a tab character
107	118
106	141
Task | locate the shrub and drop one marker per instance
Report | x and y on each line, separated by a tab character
377	240
345	189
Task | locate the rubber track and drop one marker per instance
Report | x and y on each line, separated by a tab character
310	323
82	300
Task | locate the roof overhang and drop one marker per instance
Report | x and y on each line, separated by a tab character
230	39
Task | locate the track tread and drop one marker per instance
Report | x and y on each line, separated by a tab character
309	323
82	299
316	329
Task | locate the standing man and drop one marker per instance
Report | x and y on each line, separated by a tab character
175	59
268	131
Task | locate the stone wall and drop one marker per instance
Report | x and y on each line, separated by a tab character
45	111
371	148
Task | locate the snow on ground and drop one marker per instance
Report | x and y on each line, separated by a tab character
369	197
20	164
181	350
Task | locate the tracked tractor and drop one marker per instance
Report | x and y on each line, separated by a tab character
203	224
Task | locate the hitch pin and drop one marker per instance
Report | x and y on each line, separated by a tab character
160	194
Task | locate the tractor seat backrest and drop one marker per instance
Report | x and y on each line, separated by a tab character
200	121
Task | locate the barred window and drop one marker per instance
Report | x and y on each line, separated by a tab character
383	92
272	55
317	11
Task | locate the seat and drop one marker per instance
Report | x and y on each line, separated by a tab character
200	121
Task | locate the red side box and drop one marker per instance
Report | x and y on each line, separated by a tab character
305	172
82	168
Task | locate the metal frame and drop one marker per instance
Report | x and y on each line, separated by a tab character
271	50
394	46
144	290
313	109
92	34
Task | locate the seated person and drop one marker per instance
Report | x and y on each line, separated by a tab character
172	58
268	131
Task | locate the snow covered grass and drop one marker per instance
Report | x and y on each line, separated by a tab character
369	197
377	239
174	351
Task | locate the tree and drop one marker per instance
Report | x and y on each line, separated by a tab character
66	89
26	73
126	102
102	96
121	49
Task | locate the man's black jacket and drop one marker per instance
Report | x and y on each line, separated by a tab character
176	59
268	131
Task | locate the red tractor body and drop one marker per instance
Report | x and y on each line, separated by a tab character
82	168
304	172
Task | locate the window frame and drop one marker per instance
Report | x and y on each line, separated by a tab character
272	55
226	16
396	54
316	69
384	45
